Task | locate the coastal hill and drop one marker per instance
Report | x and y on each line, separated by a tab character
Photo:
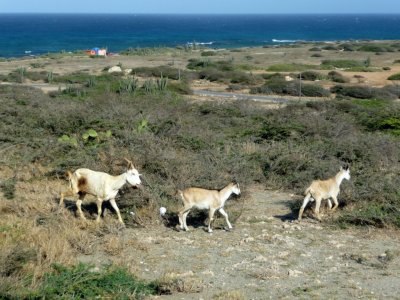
272	118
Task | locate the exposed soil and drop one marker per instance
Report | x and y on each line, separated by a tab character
267	255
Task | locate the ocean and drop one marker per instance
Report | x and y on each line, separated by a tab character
36	34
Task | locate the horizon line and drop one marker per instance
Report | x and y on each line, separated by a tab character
211	13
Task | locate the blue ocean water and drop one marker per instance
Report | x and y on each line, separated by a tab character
35	34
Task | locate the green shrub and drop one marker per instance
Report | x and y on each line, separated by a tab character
311	76
394	77
312	90
166	71
7	187
291	68
360	92
291	88
376	48
273	76
145	51
82	282
330	47
337	77
343	64
317	55
347	47
211	74
182	87
74	78
208	53
315	49
363	69
365	92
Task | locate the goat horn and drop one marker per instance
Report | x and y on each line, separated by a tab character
128	161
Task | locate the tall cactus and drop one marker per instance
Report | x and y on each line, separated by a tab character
50	77
128	85
162	83
21	72
148	86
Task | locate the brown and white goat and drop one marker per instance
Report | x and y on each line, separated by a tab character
213	200
324	189
101	185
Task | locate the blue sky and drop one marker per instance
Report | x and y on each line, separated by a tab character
201	6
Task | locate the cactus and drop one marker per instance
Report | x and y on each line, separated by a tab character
50	77
69	140
148	86
22	72
128	85
162	83
143	126
90	134
91	81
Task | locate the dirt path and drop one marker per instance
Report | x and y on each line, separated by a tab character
268	255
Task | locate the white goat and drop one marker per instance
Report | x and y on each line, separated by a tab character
101	185
324	189
212	200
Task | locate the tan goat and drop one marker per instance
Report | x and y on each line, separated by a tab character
325	189
213	200
101	185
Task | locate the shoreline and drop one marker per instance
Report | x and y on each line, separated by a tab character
201	47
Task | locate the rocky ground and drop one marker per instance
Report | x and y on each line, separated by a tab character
267	255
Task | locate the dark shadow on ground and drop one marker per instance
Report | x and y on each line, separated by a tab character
195	219
88	208
294	210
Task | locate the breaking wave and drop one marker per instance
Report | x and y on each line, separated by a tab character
284	41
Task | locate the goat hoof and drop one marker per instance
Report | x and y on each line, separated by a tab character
228	229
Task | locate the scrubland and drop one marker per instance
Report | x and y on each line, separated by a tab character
61	112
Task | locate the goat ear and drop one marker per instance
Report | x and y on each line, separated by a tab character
68	174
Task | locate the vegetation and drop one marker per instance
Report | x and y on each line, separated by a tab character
291	68
343	64
394	77
97	120
222	71
337	77
311	76
84	282
291	88
146	51
366	92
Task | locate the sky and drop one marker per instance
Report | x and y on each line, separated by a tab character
200	6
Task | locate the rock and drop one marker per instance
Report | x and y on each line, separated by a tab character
288	78
294	273
127	71
115	69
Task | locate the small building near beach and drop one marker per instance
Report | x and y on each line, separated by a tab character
97	51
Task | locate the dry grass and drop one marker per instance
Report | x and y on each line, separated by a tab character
229	295
172	282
